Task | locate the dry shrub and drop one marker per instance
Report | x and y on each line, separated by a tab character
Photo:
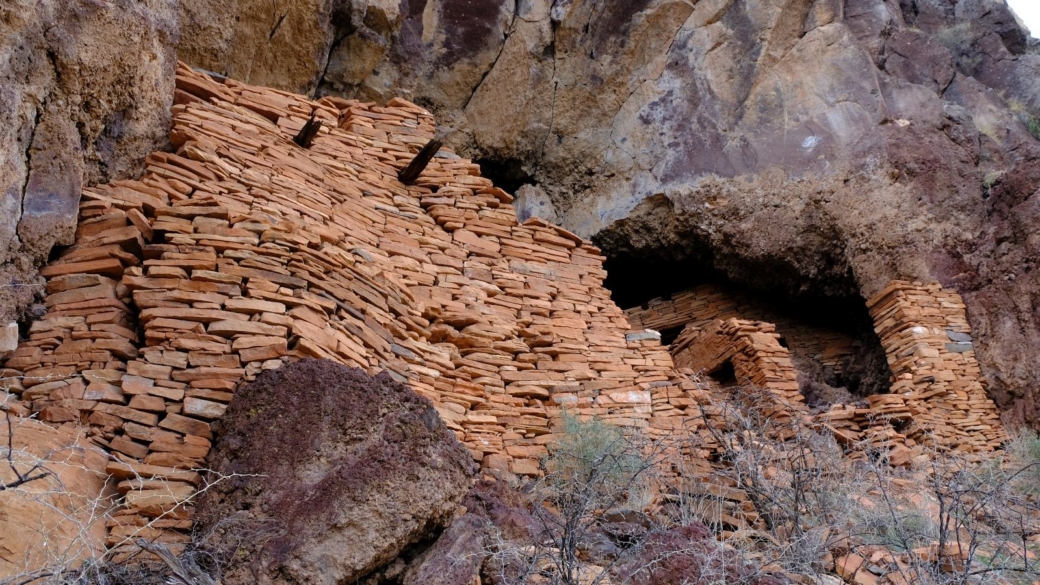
816	498
688	555
594	471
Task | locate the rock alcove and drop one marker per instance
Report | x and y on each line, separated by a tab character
824	323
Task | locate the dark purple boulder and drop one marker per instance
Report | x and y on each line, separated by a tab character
335	472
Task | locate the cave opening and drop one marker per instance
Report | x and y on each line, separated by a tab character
669	335
725	376
830	337
506	173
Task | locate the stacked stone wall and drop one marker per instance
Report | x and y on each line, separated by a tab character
242	250
830	347
753	350
927	338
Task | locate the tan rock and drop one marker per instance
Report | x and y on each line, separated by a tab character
846	566
8	338
58	518
161	498
203	408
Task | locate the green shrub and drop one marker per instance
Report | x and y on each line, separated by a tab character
594	460
1029	120
960	40
593	469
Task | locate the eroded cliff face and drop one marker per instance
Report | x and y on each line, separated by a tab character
85	95
811	147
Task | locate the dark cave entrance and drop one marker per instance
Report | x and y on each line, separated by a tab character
724	375
669	335
507	173
831	337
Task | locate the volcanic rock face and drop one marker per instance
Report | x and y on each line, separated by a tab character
496	516
805	146
351	470
85	94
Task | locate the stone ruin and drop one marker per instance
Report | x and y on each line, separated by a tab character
828	346
242	251
937	397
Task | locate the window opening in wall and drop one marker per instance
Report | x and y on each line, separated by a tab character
668	336
506	173
724	375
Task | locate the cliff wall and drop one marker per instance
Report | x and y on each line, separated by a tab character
85	95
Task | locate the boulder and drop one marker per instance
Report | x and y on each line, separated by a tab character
77	109
496	516
331	473
58	518
455	558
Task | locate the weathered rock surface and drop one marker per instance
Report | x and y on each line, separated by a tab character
59	518
255	41
8	338
495	516
353	469
807	146
85	95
